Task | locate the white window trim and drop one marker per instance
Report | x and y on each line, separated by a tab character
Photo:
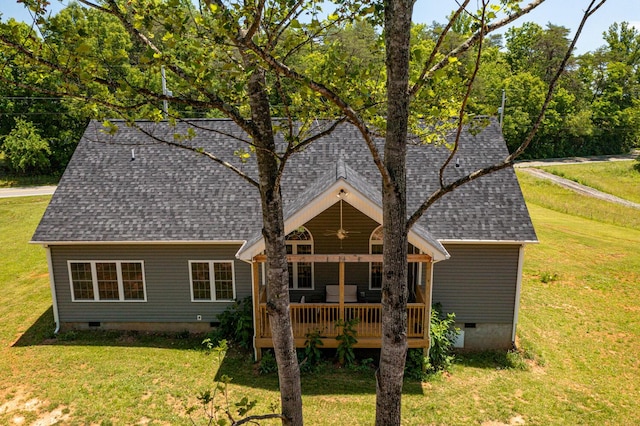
294	250
212	281
372	243
94	279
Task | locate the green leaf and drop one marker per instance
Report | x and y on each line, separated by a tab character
83	48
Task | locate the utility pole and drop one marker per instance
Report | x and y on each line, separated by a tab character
501	110
165	92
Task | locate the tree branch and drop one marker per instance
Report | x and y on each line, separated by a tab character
200	151
217	102
351	115
421	80
467	44
508	161
255	25
465	100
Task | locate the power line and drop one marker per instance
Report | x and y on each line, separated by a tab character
23	98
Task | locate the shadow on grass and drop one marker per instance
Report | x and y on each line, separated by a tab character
492	360
328	379
41	332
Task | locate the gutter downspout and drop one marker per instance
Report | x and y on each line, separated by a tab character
52	284
516	306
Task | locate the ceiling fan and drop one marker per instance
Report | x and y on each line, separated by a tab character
340	233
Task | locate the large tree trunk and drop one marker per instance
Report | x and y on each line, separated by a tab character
394	280
274	237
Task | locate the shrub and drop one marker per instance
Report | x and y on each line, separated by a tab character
443	335
346	339
236	324
311	356
268	363
25	150
417	364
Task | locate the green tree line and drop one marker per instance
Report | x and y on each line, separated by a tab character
596	109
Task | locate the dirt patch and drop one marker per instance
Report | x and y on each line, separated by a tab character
513	421
20	404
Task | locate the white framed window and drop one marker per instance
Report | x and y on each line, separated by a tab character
375	268
107	280
300	241
212	280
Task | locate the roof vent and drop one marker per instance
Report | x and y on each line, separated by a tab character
457	162
133	154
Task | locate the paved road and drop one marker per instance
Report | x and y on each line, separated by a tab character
577	160
26	191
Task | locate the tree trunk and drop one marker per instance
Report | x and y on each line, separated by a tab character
274	237
395	243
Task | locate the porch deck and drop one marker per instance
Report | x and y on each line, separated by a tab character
323	317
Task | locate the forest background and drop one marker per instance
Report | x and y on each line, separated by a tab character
596	109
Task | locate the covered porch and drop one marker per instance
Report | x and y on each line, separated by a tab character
323	316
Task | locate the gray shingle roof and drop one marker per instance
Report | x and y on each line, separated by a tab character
170	194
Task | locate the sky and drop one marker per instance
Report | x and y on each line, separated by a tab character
566	13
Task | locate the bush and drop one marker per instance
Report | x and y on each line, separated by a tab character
268	363
346	339
236	324
443	335
25	150
311	357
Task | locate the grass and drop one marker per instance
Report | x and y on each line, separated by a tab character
580	332
549	195
619	178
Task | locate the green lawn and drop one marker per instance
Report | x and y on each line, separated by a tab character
581	328
619	178
546	194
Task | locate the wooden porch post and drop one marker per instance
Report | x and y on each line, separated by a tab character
341	297
257	316
427	299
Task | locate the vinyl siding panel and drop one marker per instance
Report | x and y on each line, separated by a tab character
478	282
167	283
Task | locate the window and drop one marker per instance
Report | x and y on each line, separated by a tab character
375	268
300	273
212	280
108	281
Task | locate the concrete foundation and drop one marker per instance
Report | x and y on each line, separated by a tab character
193	327
486	336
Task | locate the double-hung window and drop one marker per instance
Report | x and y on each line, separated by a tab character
212	280
107	281
300	273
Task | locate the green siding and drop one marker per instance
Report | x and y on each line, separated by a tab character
167	282
478	282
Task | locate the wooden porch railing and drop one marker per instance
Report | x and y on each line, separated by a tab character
322	317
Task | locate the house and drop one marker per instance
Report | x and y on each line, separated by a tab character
141	235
